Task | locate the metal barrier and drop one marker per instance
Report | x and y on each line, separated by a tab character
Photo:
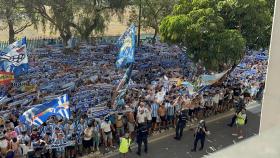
42	41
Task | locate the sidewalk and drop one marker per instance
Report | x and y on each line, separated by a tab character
218	119
154	138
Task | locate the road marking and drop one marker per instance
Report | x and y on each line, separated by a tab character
209	141
212	148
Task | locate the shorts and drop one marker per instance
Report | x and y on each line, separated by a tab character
221	102
131	127
170	117
154	119
107	136
241	127
87	143
149	124
196	110
191	111
59	153
163	118
208	108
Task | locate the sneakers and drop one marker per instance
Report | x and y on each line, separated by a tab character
240	137
176	138
193	150
229	125
234	134
139	154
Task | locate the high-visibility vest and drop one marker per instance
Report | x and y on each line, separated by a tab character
240	120
125	143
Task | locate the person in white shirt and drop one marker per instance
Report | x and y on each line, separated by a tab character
141	107
149	118
106	128
216	99
141	116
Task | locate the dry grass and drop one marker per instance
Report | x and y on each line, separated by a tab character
115	27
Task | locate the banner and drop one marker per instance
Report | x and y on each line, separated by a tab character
127	50
6	77
189	86
40	113
206	80
14	58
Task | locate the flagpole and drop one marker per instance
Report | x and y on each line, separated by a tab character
139	23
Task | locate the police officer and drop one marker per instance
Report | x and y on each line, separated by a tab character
200	134
181	124
142	137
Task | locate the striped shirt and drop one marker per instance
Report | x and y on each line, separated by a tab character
59	142
178	107
20	129
155	108
170	109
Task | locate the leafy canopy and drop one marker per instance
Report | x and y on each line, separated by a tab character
216	32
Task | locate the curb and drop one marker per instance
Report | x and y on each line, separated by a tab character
168	134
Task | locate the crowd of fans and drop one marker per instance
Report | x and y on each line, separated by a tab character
155	97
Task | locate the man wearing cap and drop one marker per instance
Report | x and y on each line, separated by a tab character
181	124
106	128
200	134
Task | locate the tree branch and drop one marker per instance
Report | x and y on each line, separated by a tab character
23	28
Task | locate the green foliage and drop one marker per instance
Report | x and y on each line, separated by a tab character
216	32
14	17
76	16
252	17
153	11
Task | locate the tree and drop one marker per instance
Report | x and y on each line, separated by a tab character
92	15
252	18
198	26
58	13
14	17
81	16
153	11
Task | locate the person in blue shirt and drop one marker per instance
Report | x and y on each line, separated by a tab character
155	108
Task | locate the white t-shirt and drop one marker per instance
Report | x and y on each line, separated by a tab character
3	144
25	149
106	127
141	117
160	96
140	109
216	98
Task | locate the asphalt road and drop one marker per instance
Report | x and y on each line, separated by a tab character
220	137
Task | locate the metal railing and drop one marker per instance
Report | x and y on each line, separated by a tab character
42	41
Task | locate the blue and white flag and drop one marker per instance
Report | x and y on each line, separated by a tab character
14	58
127	50
123	36
211	79
40	113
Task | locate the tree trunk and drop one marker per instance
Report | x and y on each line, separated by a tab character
11	32
155	35
85	34
65	38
